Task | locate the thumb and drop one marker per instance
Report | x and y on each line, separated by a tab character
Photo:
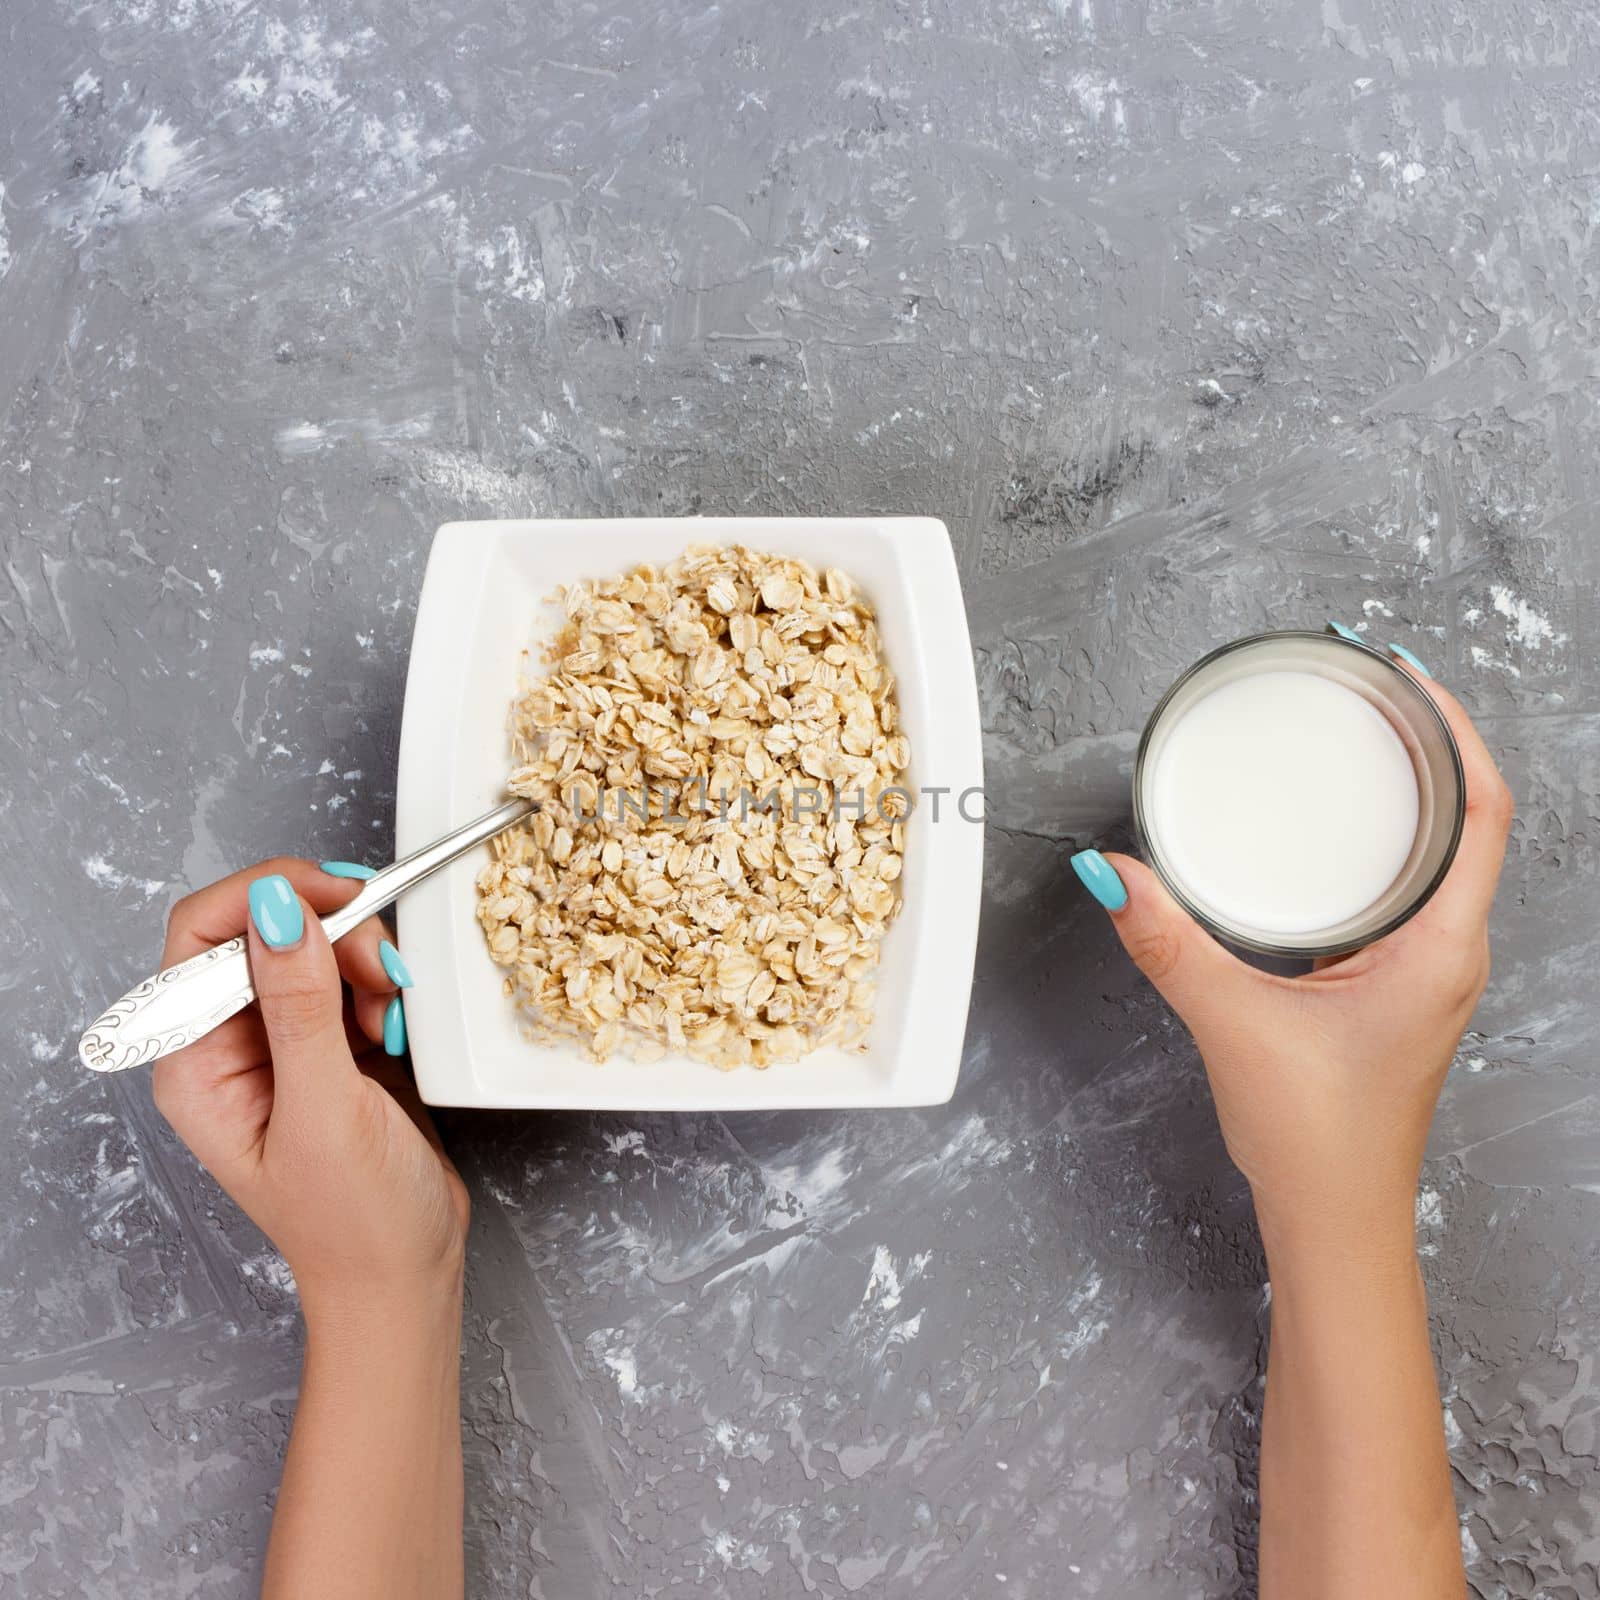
1195	975
302	1002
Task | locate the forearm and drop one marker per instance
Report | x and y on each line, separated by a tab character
1355	1480
370	1506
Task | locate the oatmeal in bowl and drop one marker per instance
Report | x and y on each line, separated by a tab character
716	750
780	667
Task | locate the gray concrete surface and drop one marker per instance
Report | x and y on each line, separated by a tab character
1188	319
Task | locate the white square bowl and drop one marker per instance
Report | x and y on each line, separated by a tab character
484	601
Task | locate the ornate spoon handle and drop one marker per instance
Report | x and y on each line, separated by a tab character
183	1003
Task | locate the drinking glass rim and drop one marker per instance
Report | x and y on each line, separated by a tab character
1264	947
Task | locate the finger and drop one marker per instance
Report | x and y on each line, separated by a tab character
368	1012
220	911
302	1001
235	1046
240	1044
1468	890
368	960
1193	972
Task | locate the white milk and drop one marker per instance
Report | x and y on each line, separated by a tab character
1283	802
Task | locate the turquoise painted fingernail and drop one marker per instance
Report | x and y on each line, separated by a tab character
348	869
394	965
1409	659
1346	633
275	910
1100	878
394	1028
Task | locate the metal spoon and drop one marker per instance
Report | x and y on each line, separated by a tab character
185	1002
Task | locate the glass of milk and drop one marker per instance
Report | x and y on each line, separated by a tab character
1298	794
